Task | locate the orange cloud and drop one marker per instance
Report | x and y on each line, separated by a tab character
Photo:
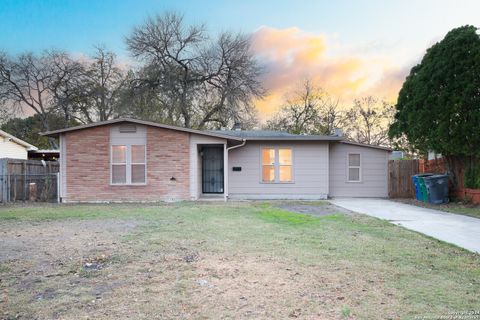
292	55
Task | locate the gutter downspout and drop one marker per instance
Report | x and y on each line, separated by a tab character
244	141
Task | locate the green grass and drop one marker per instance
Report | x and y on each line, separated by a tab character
461	209
275	215
452	207
346	312
363	267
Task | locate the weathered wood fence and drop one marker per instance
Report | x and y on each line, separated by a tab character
400	174
28	180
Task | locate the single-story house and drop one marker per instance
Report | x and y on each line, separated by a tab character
13	147
133	160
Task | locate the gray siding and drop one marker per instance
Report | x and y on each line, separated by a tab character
310	172
128	138
374	172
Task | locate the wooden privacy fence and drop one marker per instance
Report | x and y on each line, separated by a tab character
400	174
29	180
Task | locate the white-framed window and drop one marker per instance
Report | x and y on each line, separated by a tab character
268	165
138	164
277	165
128	164
119	164
354	172
285	165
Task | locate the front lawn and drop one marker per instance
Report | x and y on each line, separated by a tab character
217	260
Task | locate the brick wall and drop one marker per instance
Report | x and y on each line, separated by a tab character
88	167
433	166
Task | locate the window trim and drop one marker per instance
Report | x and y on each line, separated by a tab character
276	165
128	164
354	167
269	165
138	163
119	164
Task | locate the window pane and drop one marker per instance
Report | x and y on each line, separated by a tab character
119	173
354	174
268	156
285	156
138	173
354	160
119	154
285	173
138	154
268	173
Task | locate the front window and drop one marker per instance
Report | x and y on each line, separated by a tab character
277	165
354	167
138	164
285	165
268	165
119	164
128	164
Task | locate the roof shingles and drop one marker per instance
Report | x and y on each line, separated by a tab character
238	135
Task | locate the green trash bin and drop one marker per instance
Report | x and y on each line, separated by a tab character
423	189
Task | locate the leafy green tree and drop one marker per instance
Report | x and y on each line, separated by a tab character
438	106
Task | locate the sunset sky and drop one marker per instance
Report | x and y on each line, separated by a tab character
350	48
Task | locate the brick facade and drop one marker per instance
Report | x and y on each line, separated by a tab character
88	167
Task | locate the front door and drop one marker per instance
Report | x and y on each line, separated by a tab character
212	170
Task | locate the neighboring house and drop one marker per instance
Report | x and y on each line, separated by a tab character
13	147
134	160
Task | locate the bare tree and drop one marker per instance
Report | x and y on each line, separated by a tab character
308	110
24	84
369	120
54	83
202	83
331	115
65	85
101	87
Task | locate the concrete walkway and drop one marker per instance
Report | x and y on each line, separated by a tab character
460	230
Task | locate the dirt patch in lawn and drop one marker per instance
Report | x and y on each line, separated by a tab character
44	262
314	208
38	241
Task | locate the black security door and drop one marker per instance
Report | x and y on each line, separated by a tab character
212	170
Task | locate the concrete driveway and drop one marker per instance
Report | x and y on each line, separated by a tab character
460	230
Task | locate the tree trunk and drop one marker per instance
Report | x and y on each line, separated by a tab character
456	167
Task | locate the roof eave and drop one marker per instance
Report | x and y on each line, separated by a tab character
366	145
19	141
326	139
147	123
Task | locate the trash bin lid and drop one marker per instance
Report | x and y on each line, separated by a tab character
436	176
420	175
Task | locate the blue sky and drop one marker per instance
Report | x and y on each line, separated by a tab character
358	47
78	25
